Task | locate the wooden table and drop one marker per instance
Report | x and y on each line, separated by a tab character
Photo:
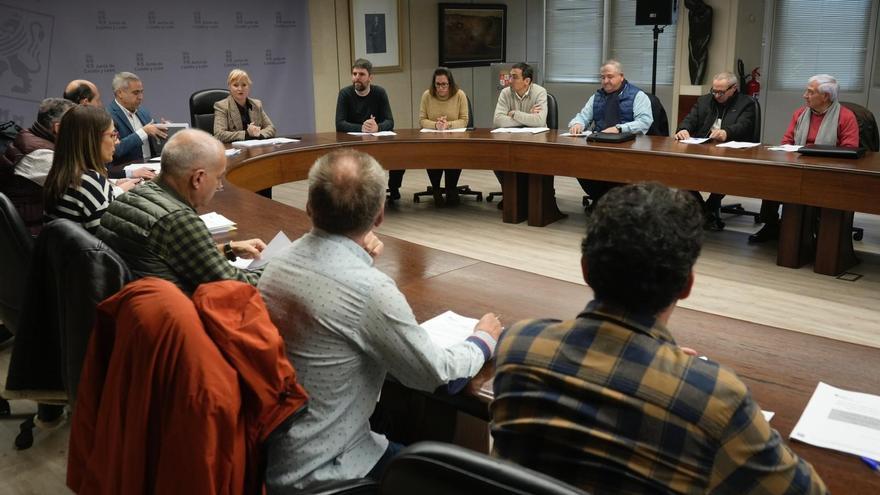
834	185
780	367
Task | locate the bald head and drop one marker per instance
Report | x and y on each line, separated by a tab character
346	192
83	92
188	150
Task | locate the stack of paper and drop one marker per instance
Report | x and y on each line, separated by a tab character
521	130
263	142
155	167
232	151
582	134
380	133
693	140
217	223
737	144
449	328
841	420
784	147
460	129
276	245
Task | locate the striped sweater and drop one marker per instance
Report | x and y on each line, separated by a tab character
86	203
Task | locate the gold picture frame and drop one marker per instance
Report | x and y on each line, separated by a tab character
376	33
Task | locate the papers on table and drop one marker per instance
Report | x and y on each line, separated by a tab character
460	129
276	245
582	134
380	133
449	328
263	142
232	151
217	223
785	147
841	420
154	166
768	415
521	130
693	140
737	144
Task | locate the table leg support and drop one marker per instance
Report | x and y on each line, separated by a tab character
834	249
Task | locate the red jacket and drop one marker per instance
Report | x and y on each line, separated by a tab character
176	395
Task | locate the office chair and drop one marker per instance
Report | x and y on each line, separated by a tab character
659	127
464	190
72	272
16	246
552	123
869	138
737	209
433	468
201	108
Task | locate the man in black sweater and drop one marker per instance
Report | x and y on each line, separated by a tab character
363	107
724	114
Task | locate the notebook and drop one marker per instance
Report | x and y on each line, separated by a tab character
831	151
611	137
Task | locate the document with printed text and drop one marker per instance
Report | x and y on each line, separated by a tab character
449	328
841	420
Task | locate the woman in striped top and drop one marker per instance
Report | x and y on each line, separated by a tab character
77	187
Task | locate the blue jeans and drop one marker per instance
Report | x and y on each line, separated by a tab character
391	452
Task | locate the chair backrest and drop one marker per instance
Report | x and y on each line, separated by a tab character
756	136
470	122
869	137
72	271
433	468
16	246
660	126
201	108
552	112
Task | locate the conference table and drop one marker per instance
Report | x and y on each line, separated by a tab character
835	187
780	367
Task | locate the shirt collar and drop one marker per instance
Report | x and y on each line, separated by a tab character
525	95
130	115
346	242
170	191
639	323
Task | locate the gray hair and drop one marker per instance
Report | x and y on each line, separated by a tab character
614	63
122	80
189	150
728	77
51	110
346	192
827	84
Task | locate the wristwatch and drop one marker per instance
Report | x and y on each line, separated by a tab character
228	252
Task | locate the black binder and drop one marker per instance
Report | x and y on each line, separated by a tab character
831	151
611	137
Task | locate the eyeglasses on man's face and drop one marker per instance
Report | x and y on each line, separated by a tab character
717	92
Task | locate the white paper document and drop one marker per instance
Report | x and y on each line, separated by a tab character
841	420
737	144
521	130
217	223
582	134
155	166
232	151
693	140
276	245
768	415
250	143
785	147
459	129
449	328
380	133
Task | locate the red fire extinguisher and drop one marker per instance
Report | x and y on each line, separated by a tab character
753	87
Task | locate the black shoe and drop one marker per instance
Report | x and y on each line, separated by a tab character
769	232
713	221
501	205
394	194
5	334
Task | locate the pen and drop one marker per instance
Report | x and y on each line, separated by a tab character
871	463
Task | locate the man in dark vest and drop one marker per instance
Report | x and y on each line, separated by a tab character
618	106
155	227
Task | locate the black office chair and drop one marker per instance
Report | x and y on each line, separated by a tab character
201	108
433	468
72	271
464	190
737	209
552	123
869	138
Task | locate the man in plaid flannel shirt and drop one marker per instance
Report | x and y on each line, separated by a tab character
155	227
608	401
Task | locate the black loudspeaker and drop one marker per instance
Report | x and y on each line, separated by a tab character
654	12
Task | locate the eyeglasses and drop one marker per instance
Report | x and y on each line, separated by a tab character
719	93
112	134
442	85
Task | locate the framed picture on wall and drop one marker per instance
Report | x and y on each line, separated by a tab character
375	33
472	34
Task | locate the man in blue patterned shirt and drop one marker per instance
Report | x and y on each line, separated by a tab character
608	401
